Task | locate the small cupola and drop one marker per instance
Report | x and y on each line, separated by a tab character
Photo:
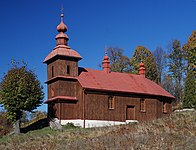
106	64
142	70
62	38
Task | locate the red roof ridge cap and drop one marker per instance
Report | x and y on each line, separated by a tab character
113	72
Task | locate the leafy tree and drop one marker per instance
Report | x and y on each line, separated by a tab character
142	54
176	66
190	50
168	84
189	100
190	90
24	118
160	58
20	90
118	62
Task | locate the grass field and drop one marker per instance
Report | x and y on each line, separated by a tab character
175	132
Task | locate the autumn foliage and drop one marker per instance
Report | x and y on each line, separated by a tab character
142	54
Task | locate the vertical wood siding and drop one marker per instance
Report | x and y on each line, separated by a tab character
97	108
72	109
60	68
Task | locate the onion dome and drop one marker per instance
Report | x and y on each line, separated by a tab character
62	38
62	27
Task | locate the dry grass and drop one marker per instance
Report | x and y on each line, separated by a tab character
175	132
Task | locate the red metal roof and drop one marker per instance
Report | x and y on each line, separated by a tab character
62	50
120	82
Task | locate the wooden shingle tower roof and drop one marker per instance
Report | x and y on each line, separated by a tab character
62	48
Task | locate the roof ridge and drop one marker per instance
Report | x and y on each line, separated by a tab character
113	72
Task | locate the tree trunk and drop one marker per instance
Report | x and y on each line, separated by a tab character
17	126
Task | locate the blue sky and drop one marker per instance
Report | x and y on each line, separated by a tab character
28	28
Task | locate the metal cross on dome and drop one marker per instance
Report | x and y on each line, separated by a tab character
105	51
62	12
62	9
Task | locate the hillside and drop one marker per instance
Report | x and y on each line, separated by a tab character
175	132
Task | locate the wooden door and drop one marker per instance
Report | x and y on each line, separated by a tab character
130	113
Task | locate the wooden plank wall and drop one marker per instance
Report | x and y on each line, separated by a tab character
72	109
60	68
97	108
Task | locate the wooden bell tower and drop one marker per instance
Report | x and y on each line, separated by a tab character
62	71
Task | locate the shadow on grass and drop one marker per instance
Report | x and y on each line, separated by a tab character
42	123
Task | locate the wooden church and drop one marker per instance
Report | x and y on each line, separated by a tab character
92	98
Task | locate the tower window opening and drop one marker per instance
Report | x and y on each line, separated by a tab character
52	71
68	70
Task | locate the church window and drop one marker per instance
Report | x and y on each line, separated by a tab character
164	107
110	102
142	105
